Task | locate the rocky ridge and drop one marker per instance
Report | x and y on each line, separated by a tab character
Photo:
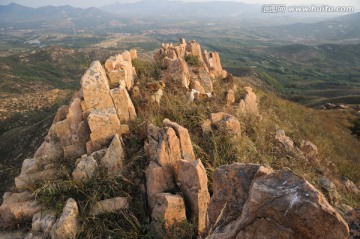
248	200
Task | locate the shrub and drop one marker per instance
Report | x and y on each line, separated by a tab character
193	60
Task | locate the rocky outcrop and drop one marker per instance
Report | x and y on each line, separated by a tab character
86	134
173	168
188	66
212	60
305	150
116	107
120	69
268	204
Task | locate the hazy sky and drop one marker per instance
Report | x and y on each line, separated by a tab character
96	3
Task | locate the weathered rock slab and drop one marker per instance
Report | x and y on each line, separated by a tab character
110	205
67	226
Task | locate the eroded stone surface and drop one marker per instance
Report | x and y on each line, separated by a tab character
18	207
86	168
110	205
226	122
67	225
169	207
286	206
249	105
124	107
173	163
43	221
114	157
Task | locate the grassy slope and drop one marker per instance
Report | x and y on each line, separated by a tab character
339	151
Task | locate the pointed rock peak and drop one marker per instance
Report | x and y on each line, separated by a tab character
114	157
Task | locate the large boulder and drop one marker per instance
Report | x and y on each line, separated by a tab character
117	77
133	54
283	204
182	134
205	81
70	134
231	191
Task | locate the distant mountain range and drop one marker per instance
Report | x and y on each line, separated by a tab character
15	15
50	17
159	8
15	11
